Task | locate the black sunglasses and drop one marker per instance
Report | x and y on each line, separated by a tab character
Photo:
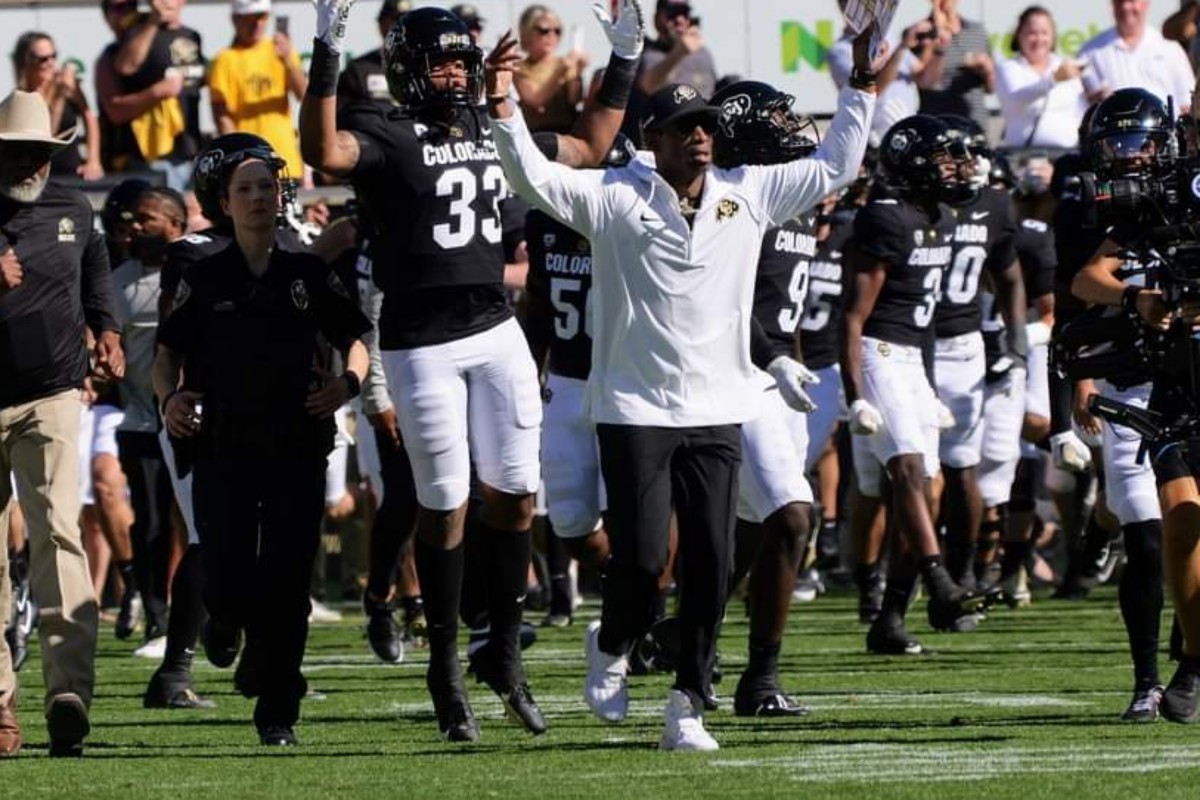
39	60
548	31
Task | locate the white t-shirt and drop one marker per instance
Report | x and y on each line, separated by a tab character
1154	63
1029	98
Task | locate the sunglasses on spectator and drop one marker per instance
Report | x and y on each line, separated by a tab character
547	31
39	60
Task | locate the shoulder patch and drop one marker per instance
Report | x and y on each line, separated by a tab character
336	286
182	294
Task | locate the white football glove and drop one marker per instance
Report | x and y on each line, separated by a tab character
1070	453
626	33
331	22
865	419
1037	334
791	377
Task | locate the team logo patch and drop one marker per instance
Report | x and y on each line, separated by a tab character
684	94
919	237
336	286
900	142
727	209
732	110
885	349
548	240
181	295
66	229
457	132
300	295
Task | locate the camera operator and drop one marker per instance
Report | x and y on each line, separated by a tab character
1129	137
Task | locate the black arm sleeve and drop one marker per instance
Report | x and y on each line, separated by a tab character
762	349
99	302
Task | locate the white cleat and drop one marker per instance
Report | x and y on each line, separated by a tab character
684	730
154	649
606	689
322	614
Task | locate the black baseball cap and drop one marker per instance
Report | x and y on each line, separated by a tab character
469	14
675	8
394	9
675	103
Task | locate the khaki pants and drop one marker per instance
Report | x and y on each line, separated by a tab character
39	445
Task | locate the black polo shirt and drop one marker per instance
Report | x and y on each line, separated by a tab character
67	284
250	345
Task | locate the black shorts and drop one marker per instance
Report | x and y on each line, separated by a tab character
1178	459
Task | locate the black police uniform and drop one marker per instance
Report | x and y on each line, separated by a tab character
249	345
823	307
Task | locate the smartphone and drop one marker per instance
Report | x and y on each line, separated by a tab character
282	23
695	22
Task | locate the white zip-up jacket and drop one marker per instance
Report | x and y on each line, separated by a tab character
670	307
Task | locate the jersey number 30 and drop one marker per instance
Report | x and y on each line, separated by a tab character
462	187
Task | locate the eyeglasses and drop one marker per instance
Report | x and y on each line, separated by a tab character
548	31
39	60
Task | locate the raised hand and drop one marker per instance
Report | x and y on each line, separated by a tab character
499	66
331	22
627	32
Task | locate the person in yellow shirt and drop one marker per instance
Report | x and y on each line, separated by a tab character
250	82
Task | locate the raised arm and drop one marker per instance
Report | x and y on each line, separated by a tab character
323	146
601	119
793	188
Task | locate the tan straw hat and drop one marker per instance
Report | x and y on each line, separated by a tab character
25	118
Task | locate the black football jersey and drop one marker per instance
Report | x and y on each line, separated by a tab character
822	323
917	246
432	210
1034	245
983	239
781	283
559	282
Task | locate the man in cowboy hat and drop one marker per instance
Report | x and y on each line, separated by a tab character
55	287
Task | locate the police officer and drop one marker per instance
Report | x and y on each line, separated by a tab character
244	374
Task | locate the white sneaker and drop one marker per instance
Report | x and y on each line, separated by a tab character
154	649
606	689
322	613
685	728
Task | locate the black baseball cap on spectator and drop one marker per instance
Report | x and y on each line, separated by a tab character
393	9
676	103
470	15
675	8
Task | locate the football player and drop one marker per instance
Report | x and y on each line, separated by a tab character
983	245
903	240
465	387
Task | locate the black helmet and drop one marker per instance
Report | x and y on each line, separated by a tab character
976	151
414	41
620	153
910	151
1129	124
757	126
119	205
1001	174
216	162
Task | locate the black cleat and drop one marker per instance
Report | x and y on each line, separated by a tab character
173	691
512	689
416	627
383	633
20	626
1181	698
67	723
221	643
764	698
1145	705
456	721
945	612
277	736
891	639
128	616
871	584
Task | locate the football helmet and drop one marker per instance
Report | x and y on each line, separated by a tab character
912	150
758	126
216	162
1129	132
414	43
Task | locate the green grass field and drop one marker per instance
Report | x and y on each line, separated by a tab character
1026	708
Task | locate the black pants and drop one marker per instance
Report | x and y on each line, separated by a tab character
259	521
646	471
393	526
151	495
